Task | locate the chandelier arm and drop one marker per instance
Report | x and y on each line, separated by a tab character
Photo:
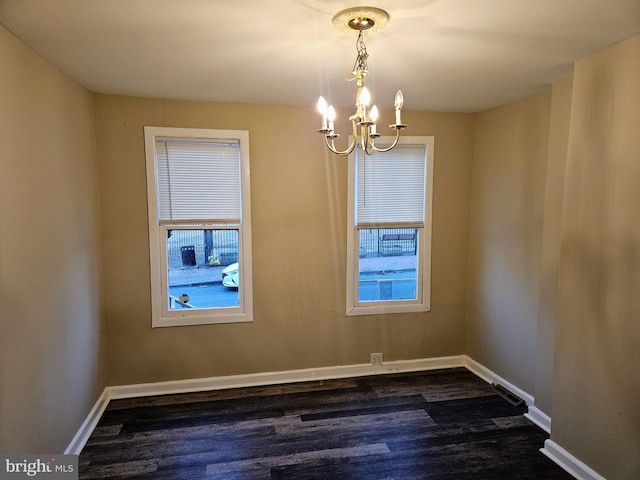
331	145
395	142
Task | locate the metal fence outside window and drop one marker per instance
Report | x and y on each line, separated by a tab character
388	242
202	247
190	248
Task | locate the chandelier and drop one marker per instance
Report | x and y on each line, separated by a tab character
363	121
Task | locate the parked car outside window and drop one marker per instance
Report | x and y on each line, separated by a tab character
231	276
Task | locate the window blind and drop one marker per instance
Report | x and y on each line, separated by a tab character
198	180
390	187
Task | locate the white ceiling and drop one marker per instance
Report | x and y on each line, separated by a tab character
446	55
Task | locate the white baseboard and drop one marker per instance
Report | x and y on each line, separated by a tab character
570	463
534	414
540	418
491	377
290	376
86	429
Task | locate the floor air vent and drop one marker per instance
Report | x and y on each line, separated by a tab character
510	397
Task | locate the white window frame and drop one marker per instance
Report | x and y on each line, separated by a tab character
161	315
423	287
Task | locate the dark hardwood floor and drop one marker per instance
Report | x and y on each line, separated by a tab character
442	424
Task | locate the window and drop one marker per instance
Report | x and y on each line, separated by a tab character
389	231
199	226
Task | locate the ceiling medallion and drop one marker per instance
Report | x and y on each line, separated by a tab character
368	20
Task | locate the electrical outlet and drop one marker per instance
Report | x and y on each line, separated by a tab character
376	359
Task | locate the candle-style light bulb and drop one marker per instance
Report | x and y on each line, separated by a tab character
374	118
399	101
374	113
322	108
331	113
363	101
365	97
331	116
322	105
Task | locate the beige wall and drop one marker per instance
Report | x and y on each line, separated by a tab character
514	243
560	119
505	240
596	402
51	350
299	248
554	255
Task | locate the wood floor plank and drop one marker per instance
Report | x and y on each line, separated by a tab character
267	463
262	391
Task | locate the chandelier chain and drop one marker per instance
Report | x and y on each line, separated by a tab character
361	59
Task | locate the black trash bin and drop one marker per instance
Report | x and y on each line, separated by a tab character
188	256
